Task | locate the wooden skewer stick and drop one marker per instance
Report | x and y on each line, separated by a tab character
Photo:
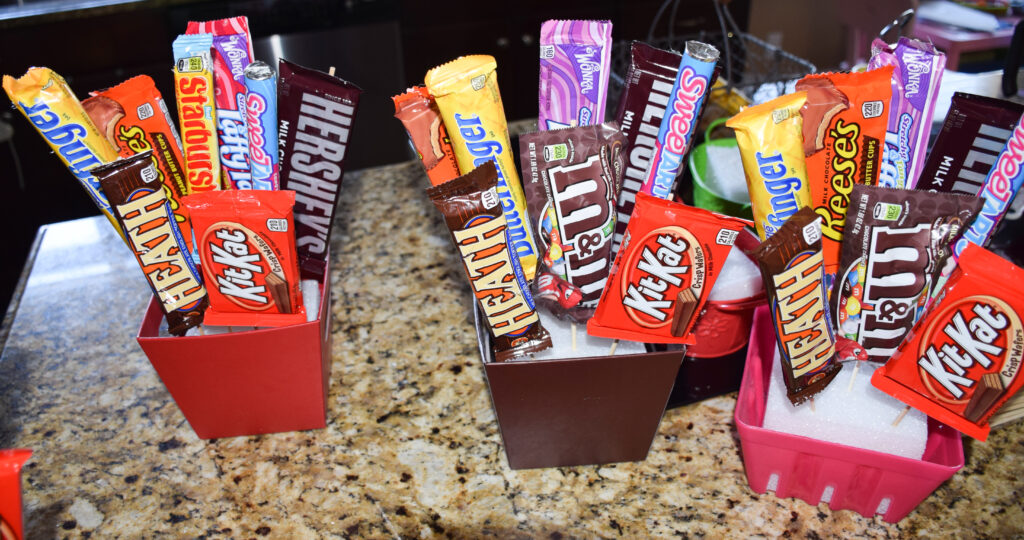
812	404
899	418
853	377
615	344
331	71
573	336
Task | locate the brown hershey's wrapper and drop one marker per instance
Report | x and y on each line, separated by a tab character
315	113
649	80
571	177
792	266
137	200
473	214
974	133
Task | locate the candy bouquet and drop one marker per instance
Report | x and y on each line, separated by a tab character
247	190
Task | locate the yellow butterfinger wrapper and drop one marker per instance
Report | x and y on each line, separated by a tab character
466	91
47	101
771	146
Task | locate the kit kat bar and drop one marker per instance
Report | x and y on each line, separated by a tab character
686	304
279	292
990	388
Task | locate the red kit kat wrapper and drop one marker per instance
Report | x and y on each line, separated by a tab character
138	201
473	214
669	260
315	113
246	241
963	359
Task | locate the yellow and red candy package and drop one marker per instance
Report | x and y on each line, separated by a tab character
844	121
134	118
246	242
963	359
663	273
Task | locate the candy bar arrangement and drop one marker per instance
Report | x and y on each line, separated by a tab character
230	221
871	254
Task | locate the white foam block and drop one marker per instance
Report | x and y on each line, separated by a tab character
586	345
740	278
861	416
310	298
725	173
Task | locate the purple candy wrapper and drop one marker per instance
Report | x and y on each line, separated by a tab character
575	60
915	85
231	56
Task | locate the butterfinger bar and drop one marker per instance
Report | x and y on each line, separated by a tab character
47	101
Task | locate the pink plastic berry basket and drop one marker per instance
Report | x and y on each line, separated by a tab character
845	477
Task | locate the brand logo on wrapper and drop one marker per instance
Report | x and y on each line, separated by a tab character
233	144
69	141
782	188
244	265
668	262
800	314
147	226
675	133
895	283
970	353
193	105
499	290
484	149
261	163
1003	182
584	230
844	173
321	138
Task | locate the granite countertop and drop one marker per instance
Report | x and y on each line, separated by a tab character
411	447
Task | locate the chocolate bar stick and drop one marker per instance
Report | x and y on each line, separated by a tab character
899	418
615	344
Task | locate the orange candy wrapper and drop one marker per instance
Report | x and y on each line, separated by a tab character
134	117
246	242
844	122
962	360
670	257
418	112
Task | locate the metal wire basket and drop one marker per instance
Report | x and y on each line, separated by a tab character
747	63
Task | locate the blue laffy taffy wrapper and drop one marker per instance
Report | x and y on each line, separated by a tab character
681	114
261	115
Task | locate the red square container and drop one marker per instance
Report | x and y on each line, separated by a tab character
10	492
864	481
246	383
578	411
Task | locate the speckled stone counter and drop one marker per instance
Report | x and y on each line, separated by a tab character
411	447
